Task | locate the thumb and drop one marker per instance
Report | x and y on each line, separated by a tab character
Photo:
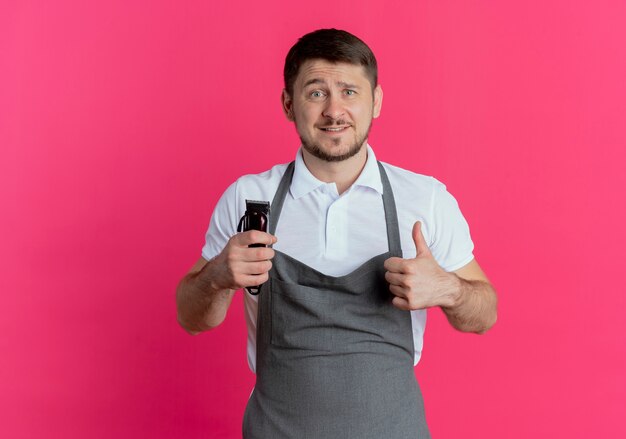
420	243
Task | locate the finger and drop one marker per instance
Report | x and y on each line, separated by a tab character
244	239
394	264
396	279
255	254
418	238
399	291
255	268
252	280
401	303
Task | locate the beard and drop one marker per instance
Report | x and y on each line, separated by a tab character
317	151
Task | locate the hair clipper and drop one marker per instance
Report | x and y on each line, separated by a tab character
255	218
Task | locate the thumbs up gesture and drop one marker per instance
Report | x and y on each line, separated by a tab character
420	282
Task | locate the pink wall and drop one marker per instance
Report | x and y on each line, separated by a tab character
122	122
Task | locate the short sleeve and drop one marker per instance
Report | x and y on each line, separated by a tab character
223	224
451	244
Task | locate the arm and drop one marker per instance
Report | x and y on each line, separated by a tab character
466	296
204	295
474	305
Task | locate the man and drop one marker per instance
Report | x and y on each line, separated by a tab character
357	251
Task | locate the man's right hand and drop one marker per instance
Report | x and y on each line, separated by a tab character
239	265
205	293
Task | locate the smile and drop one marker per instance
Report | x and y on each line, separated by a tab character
334	129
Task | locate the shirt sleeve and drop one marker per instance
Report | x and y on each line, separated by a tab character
223	224
451	245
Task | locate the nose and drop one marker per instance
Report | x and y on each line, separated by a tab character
334	108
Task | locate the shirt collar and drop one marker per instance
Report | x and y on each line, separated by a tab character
304	182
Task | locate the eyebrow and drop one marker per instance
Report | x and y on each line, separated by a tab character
342	84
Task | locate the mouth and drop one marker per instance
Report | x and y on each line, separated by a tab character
334	129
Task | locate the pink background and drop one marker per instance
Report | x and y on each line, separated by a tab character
122	122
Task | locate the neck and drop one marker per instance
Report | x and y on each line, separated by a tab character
343	173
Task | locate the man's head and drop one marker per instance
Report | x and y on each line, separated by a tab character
333	45
331	93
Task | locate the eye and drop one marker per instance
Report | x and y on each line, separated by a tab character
350	92
316	94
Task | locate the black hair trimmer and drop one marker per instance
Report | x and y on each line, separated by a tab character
256	218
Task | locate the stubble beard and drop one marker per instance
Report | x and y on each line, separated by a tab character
315	149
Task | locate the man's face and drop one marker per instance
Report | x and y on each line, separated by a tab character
332	106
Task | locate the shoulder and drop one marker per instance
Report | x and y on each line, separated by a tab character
422	198
407	184
232	205
260	186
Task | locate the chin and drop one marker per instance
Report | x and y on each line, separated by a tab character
336	153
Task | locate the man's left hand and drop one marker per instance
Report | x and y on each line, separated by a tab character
420	282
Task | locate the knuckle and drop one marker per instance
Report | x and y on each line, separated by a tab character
397	291
231	259
256	236
235	240
413	301
409	267
389	263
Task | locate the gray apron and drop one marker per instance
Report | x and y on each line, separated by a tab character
334	356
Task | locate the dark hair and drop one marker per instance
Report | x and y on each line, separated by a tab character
331	45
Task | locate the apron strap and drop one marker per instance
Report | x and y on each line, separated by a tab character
279	198
391	215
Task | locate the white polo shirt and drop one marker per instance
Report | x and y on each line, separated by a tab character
335	234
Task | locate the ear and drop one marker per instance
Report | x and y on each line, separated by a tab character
378	101
287	104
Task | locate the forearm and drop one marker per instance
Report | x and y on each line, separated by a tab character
200	305
475	306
